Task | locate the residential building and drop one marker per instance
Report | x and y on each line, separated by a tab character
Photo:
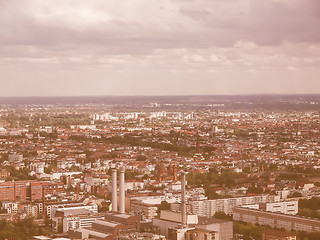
276	220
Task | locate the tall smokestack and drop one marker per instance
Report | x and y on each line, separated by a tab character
122	191
43	204
114	190
183	200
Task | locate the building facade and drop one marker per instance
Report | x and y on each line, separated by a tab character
276	220
208	207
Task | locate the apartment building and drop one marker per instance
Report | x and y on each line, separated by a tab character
11	207
4	174
28	190
31	210
38	189
13	191
288	207
208	207
276	220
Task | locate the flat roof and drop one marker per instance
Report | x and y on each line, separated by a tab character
122	215
71	212
93	233
41	237
106	223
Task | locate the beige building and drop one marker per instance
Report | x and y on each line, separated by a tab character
201	234
144	210
66	220
223	227
170	222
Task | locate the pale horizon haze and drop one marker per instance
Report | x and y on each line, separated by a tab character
159	47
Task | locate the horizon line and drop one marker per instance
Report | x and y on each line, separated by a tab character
169	95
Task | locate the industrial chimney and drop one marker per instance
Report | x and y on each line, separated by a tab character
122	191
183	200
114	190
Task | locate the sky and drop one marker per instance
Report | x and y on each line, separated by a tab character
159	47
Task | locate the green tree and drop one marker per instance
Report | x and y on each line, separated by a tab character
163	206
211	193
255	190
222	215
141	158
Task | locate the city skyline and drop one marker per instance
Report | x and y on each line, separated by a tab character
149	47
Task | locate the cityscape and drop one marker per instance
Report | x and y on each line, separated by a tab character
172	169
159	120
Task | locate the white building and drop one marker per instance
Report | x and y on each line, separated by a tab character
288	207
73	219
31	210
51	209
11	207
208	208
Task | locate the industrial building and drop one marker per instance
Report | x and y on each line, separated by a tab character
182	226
114	224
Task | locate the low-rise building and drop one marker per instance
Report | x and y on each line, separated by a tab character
146	211
72	219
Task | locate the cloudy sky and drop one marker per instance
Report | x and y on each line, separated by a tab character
159	47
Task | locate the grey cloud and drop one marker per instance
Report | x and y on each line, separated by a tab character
199	15
58	47
179	24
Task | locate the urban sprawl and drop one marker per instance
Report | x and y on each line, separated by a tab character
158	171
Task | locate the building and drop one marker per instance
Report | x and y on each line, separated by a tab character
71	219
84	233
201	234
11	207
276	220
13	191
38	189
170	220
117	224
51	209
288	207
141	236
15	157
208	207
223	227
114	225
144	210
31	210
28	190
4	174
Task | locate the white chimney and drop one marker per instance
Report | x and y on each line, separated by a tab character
114	190
122	190
183	200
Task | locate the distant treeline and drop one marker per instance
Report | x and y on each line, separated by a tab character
266	101
139	141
